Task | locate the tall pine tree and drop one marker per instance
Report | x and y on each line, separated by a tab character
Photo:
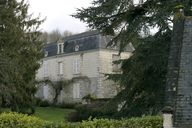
20	52
143	75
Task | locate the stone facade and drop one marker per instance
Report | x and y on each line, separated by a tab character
87	62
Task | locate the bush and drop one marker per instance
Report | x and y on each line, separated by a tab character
44	103
83	112
15	120
145	122
72	117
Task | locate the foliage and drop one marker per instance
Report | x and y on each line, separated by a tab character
84	111
56	85
43	103
54	36
89	97
143	76
20	53
52	114
59	85
144	122
14	120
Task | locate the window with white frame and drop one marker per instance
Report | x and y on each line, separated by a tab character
45	53
45	68
60	48
76	90
46	92
76	66
60	65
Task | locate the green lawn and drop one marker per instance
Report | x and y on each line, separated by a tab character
52	114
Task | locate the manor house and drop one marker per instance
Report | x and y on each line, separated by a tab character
86	59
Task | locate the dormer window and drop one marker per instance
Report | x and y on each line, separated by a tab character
60	46
46	53
76	48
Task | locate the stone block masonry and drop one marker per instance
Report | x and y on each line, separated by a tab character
183	110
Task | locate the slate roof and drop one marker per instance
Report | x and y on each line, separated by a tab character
51	49
85	41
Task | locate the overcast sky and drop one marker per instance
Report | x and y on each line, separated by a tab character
57	13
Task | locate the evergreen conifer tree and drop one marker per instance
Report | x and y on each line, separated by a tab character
143	75
20	52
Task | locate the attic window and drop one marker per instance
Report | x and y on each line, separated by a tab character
46	53
60	48
76	48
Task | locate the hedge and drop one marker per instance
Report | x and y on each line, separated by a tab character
15	120
144	122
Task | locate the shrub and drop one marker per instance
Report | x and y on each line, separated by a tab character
44	103
14	120
145	122
84	111
72	117
57	125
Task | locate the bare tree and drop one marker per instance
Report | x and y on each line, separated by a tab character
67	33
44	37
54	36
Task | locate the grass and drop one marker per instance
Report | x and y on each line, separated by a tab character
52	114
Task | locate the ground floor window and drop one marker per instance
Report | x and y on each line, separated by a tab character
46	92
76	90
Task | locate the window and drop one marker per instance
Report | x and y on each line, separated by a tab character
46	54
115	65
60	48
77	48
45	69
76	90
60	65
76	66
46	92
